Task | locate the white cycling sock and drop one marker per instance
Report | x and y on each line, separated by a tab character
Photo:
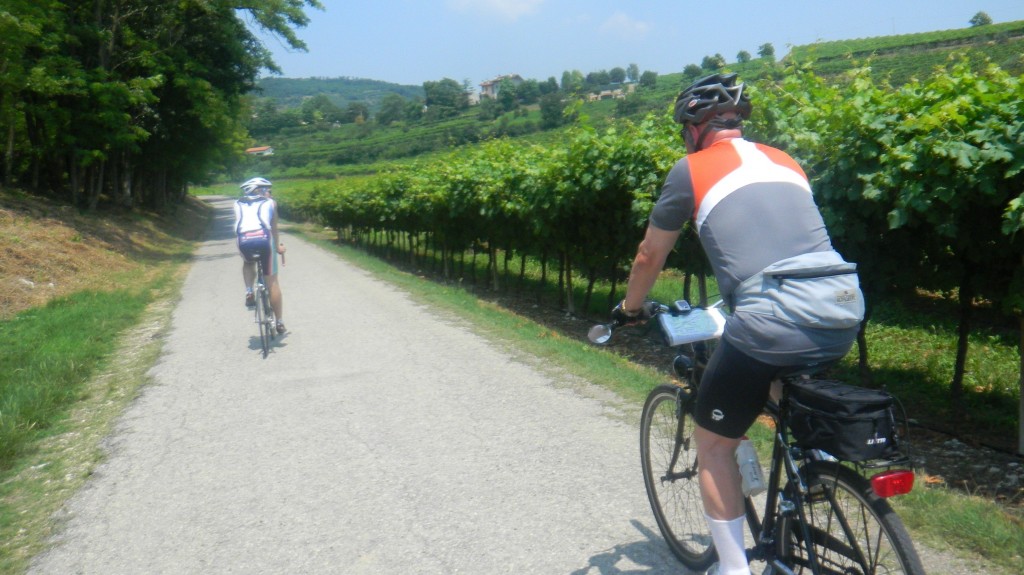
728	536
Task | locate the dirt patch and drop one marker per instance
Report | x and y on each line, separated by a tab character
50	250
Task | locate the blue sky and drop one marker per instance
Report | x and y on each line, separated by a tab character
412	41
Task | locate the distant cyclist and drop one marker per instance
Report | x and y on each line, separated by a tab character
256	231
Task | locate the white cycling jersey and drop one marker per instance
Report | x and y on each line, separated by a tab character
253	213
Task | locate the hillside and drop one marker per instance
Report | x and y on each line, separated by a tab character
305	149
902	57
289	92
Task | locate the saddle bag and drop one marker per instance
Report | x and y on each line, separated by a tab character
847	422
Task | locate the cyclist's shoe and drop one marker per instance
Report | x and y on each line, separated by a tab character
250	299
280	327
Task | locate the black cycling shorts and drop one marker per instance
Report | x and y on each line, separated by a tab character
733	391
253	247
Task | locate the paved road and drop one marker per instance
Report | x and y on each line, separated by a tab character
379	437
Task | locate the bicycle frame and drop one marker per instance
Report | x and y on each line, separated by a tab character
778	511
820	515
774	523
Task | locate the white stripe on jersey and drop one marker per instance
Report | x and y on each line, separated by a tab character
755	168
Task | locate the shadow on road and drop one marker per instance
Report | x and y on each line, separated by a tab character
640	557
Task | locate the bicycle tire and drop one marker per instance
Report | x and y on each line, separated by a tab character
876	542
674	493
262	318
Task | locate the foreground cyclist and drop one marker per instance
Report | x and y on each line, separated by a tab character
256	232
752	207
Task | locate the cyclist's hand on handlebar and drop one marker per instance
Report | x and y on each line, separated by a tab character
633	317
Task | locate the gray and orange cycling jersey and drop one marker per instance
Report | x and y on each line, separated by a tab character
752	206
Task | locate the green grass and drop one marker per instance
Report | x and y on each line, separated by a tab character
54	407
47	353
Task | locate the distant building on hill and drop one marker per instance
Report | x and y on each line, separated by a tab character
260	151
490	88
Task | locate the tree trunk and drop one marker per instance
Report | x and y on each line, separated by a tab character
543	275
522	271
492	265
570	303
97	187
612	295
866	379
591	279
9	156
702	288
956	387
1020	387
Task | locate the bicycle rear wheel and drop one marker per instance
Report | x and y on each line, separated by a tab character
853	529
263	317
668	455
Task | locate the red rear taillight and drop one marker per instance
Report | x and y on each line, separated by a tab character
896	482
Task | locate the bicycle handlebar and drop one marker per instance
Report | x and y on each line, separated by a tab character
601	333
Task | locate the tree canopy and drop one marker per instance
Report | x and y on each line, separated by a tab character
129	98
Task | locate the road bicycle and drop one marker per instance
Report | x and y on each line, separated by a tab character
817	515
264	312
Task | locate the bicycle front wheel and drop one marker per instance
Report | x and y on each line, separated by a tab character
853	530
668	455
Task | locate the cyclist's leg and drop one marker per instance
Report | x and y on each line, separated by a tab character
248	271
276	299
732	393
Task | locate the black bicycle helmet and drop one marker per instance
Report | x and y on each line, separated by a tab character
711	97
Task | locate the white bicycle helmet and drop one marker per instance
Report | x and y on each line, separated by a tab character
256	185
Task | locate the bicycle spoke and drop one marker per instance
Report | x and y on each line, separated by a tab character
669	466
852	531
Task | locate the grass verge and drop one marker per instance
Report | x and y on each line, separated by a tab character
86	297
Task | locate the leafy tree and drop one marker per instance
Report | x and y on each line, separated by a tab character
321	110
445	98
617	75
572	81
489	110
649	79
598	79
552	107
691	72
528	92
130	98
633	72
392	109
508	95
980	19
548	86
356	113
712	63
766	51
414	110
266	119
743	56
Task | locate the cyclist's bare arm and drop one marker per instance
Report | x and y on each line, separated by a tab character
650	259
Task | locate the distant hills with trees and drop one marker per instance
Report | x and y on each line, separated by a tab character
321	126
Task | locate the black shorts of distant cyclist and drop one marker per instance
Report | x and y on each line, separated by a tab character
254	245
733	391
